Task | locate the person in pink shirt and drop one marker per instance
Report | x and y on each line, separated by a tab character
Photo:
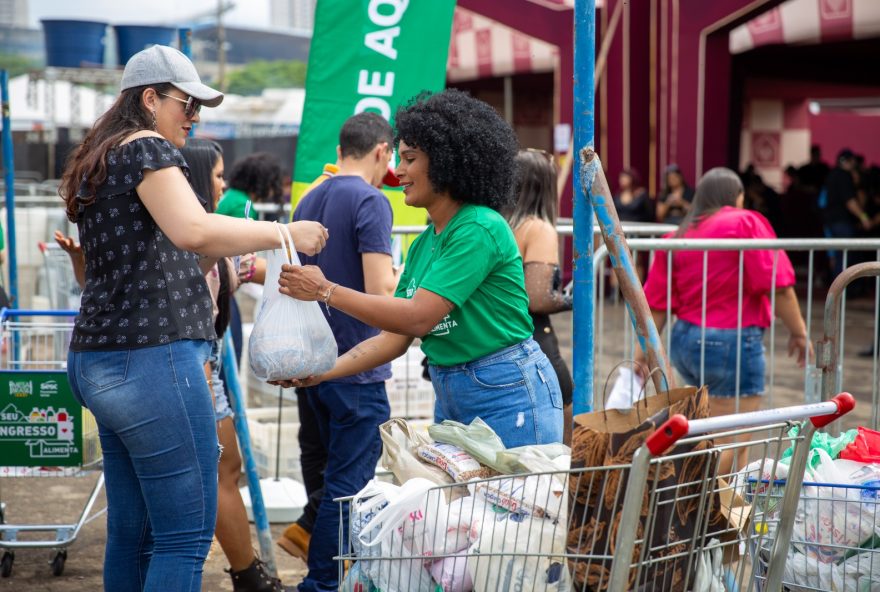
717	213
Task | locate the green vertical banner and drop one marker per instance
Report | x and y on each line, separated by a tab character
368	55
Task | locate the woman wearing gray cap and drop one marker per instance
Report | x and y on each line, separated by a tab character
141	339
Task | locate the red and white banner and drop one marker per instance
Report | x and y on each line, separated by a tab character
809	21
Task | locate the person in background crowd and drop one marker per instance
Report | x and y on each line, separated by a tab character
143	333
533	220
842	212
463	289
717	213
632	202
341	447
813	174
675	198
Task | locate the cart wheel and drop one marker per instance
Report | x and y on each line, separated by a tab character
6	564
58	563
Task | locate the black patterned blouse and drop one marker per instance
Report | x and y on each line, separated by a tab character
141	290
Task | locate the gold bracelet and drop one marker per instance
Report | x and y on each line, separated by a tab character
329	293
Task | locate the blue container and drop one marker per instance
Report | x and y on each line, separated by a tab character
74	44
133	38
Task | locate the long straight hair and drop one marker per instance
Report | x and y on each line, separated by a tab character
535	189
719	187
201	157
86	168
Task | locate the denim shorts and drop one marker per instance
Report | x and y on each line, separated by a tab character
515	390
222	410
720	365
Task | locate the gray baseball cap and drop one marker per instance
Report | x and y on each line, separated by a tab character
160	63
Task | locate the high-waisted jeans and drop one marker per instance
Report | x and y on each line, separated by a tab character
159	439
515	390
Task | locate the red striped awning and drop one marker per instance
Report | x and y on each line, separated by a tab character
809	21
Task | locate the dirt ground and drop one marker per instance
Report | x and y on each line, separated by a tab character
41	500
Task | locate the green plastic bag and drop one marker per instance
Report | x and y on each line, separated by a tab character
477	439
830	444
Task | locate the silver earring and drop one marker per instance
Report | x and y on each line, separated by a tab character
155	123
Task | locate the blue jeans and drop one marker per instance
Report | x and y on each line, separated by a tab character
159	440
719	367
515	391
348	418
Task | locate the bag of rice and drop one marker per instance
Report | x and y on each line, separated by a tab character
455	461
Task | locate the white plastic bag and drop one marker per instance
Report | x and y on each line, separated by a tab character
859	573
805	574
627	390
451	573
515	552
540	495
291	338
710	573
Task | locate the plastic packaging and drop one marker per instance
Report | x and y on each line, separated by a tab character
477	439
541	496
833	445
460	465
291	338
865	447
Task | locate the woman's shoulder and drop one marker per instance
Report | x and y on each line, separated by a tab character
139	152
746	223
534	228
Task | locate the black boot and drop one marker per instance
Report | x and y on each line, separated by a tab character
255	578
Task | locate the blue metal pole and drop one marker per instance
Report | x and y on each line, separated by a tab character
261	519
9	167
583	120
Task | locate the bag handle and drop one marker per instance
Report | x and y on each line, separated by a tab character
388	518
643	389
287	245
373	494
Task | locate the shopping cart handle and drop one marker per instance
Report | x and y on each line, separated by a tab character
667	434
845	403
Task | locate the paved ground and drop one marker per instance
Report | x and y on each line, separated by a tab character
54	499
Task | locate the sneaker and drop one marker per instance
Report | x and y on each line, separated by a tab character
295	541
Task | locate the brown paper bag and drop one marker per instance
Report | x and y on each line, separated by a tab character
607	438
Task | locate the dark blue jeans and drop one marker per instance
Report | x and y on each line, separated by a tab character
348	418
159	439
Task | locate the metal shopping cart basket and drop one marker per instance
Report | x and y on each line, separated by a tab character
43	431
523	532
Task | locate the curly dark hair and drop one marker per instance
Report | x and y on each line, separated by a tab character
470	148
258	173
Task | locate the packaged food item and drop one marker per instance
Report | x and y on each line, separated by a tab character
460	465
540	496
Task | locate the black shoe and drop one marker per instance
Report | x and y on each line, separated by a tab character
867	352
255	578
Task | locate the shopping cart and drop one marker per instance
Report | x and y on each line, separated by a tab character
43	431
616	527
61	287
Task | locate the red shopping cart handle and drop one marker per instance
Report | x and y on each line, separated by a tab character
667	434
845	403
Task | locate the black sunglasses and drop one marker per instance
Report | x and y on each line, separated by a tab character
191	108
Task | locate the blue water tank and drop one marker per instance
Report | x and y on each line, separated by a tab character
133	38
74	44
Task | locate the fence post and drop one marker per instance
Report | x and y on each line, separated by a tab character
9	168
583	120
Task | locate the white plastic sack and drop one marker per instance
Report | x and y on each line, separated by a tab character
710	573
805	574
541	496
291	338
627	390
451	573
831	519
859	573
515	552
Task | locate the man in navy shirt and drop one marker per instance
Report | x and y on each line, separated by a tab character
349	411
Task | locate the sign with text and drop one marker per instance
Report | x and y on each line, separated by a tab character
368	55
40	421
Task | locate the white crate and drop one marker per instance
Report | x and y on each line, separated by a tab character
263	428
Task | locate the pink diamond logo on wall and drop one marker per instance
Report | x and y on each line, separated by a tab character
765	149
835	9
768	21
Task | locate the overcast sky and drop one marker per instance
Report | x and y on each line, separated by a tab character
247	13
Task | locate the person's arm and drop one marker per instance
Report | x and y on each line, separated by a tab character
789	311
662	209
77	259
366	355
414	316
168	197
855	208
379	276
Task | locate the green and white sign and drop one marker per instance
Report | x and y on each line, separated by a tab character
368	55
40	421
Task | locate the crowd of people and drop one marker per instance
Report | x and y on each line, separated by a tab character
165	240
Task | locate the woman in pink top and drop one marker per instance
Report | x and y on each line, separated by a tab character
717	212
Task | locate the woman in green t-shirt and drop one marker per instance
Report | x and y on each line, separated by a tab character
462	291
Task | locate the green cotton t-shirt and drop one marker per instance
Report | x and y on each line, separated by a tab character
475	264
233	203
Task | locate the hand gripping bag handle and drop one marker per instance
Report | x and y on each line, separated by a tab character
388	518
287	246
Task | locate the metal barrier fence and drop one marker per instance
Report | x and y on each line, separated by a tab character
611	348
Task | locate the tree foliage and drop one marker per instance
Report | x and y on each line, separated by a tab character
261	74
16	65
